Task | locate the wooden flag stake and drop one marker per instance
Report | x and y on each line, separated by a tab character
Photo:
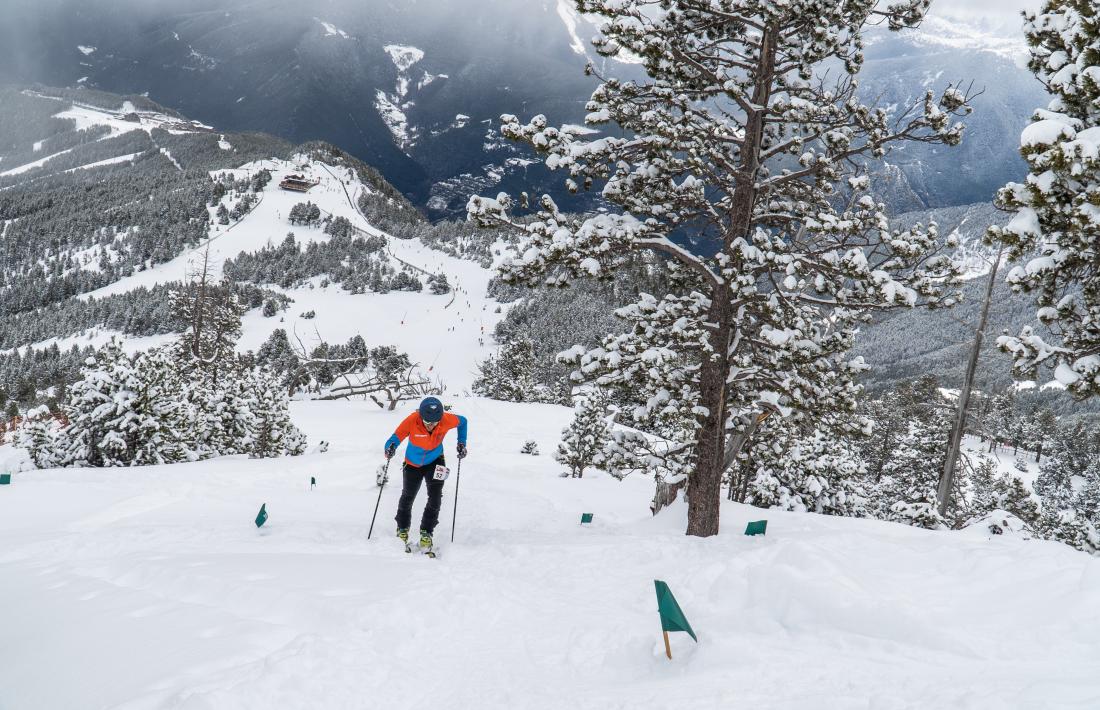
668	649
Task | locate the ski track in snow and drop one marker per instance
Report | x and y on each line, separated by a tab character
152	588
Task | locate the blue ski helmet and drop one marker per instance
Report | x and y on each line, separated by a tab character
431	410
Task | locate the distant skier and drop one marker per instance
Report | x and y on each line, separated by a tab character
425	429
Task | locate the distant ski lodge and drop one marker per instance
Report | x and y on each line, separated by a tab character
297	183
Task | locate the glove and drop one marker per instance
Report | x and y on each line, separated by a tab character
461	450
391	450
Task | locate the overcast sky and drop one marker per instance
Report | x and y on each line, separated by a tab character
996	11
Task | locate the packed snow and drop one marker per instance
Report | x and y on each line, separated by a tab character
153	588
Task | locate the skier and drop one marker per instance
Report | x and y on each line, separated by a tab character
425	429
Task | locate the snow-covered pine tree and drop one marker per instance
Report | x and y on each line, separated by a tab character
38	435
980	496
510	376
906	489
816	472
1002	419
273	433
104	425
211	314
734	136
1046	425
124	411
1086	501
439	284
90	409
158	419
583	441
1054	227
890	424
1070	457
1012	495
230	406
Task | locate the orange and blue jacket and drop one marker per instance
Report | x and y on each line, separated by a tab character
424	446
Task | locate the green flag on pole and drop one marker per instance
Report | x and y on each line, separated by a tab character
5	479
261	517
758	527
672	617
586	518
312	482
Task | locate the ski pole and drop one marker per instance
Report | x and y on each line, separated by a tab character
385	477
454	515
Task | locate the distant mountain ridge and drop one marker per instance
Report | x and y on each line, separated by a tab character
416	88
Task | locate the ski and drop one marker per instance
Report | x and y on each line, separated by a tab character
412	546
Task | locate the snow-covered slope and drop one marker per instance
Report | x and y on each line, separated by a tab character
447	335
152	588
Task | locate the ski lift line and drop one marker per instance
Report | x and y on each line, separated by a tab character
432	367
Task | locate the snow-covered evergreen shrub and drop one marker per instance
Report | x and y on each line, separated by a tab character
404	281
438	284
818	472
305	213
583	441
904	478
38	435
509	376
273	434
530	447
192	399
918	513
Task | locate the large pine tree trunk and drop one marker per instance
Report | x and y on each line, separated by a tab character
705	486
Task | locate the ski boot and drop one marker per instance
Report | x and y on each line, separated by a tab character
426	545
403	535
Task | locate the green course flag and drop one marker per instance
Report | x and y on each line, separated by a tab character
672	617
261	517
5	479
758	527
586	518
312	482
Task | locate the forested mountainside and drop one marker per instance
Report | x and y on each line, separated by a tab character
101	194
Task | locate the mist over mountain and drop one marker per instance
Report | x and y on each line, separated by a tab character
415	88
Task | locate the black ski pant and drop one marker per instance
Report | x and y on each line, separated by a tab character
412	477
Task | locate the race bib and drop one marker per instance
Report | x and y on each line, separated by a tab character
441	473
